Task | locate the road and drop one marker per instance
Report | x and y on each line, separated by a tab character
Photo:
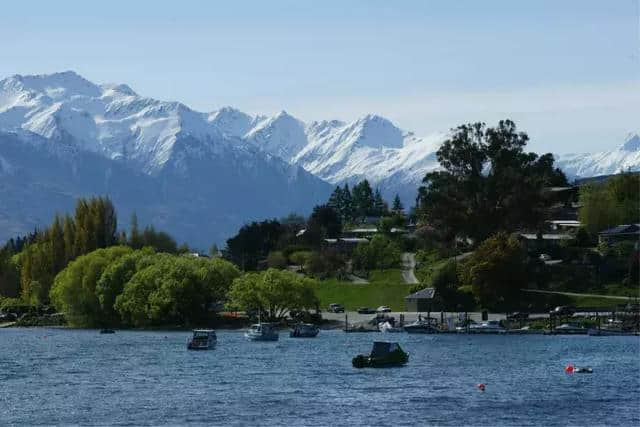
408	268
573	294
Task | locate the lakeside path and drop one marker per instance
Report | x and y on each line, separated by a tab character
408	268
573	294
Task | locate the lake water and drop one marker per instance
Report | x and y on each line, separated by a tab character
56	376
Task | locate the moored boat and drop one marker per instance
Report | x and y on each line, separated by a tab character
570	329
304	330
263	332
383	354
488	327
423	326
202	339
388	327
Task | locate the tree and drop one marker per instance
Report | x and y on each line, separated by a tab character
253	242
615	202
380	253
276	259
488	183
398	208
380	207
273	292
324	223
168	289
74	289
362	200
496	271
335	200
346	204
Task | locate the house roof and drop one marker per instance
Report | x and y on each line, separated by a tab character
622	229
534	236
426	293
354	240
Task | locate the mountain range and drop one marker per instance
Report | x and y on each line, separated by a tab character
201	175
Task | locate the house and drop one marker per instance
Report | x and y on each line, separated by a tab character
624	232
420	301
344	244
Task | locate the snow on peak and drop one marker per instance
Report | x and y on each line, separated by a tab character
375	132
632	143
232	121
282	135
56	86
625	157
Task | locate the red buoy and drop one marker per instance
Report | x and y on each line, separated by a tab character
481	386
569	369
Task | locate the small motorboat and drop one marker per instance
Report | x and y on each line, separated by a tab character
423	326
570	329
107	331
263	332
388	327
383	354
488	327
203	339
304	330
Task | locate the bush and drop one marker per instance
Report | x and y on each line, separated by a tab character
276	259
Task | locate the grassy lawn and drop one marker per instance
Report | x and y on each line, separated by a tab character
385	288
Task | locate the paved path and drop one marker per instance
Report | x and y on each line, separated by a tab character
573	294
408	268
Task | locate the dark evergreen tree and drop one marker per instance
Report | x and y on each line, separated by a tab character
363	201
380	207
398	208
335	200
346	205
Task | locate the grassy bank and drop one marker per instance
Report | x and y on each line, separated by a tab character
385	288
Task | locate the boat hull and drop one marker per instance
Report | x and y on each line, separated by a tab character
261	337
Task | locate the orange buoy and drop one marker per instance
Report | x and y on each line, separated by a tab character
481	386
569	369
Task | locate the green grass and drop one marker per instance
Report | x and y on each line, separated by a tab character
385	288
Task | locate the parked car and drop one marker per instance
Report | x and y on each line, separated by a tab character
518	315
545	257
366	310
562	310
336	308
383	309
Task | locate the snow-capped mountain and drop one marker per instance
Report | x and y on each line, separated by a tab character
201	179
201	175
624	158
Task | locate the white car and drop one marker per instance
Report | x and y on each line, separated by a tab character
383	309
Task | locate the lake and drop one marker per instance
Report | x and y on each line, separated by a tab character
59	376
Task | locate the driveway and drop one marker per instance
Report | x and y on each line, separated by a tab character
408	268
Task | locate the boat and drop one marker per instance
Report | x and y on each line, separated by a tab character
570	329
383	354
202	339
609	332
524	330
423	326
488	327
388	327
263	332
304	330
107	331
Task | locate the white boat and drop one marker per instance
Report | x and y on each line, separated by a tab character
202	339
423	326
570	329
488	327
263	332
304	330
388	327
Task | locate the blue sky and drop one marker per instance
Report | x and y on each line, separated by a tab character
568	72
